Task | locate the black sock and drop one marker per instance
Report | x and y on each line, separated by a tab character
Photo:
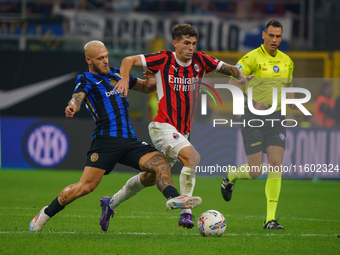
54	208
170	192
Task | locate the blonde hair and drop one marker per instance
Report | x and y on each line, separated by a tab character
88	46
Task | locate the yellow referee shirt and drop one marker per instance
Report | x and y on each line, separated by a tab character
269	72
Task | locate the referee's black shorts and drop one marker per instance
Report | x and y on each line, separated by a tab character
256	139
107	151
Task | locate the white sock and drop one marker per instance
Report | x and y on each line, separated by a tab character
131	188
187	182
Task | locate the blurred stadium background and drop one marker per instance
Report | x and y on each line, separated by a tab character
41	49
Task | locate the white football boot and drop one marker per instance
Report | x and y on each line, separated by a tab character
183	202
39	220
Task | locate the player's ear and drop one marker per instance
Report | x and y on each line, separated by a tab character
174	43
263	34
88	60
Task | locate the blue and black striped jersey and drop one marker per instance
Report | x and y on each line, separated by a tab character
110	110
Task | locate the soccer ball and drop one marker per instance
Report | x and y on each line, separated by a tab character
211	223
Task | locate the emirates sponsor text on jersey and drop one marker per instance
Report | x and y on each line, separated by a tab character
183	84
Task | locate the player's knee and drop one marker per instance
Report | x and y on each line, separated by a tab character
195	159
275	162
255	174
255	171
191	160
156	163
163	162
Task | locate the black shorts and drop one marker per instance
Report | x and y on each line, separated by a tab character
256	139
107	151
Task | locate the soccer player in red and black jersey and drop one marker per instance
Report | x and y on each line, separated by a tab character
178	75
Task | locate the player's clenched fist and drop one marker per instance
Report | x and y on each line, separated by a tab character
70	110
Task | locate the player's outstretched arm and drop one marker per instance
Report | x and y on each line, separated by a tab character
74	104
125	69
236	73
148	85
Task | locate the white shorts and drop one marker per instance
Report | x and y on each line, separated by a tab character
168	140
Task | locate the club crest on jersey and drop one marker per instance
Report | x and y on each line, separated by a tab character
197	68
276	69
94	157
282	136
175	136
113	82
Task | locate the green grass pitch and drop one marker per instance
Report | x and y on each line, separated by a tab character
310	212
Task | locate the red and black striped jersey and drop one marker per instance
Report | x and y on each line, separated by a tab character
177	85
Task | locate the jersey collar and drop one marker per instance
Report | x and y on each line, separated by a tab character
266	53
94	74
180	62
111	74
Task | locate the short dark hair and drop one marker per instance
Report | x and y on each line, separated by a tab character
274	23
183	29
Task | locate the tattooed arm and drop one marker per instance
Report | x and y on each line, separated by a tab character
235	72
148	85
143	86
74	104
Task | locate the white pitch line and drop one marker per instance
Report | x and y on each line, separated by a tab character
159	214
159	234
97	216
162	216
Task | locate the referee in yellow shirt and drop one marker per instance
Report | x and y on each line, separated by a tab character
272	68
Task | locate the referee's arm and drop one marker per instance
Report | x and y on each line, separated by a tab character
291	95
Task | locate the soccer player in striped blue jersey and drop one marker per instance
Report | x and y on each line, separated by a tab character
113	141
